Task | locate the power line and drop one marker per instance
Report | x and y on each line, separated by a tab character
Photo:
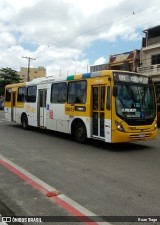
98	29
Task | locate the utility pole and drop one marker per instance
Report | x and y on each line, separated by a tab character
29	59
87	68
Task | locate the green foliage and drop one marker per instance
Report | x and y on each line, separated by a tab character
8	76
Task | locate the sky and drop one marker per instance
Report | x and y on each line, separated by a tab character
69	36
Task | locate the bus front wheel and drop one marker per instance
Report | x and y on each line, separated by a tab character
24	122
80	133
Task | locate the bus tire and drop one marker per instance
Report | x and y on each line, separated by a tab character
80	133
24	122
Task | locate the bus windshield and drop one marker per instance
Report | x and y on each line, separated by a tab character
135	101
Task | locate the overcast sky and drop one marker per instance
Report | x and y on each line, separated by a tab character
68	36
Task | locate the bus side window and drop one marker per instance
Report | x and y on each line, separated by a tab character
21	94
71	92
31	94
95	98
62	87
77	92
103	91
8	95
58	92
54	93
108	103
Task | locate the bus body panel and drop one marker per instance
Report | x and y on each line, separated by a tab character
31	111
56	118
7	112
19	112
108	130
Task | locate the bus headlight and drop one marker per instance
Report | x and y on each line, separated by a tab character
155	126
119	126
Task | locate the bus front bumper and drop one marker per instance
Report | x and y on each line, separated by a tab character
133	136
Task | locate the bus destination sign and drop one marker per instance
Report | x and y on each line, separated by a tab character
132	78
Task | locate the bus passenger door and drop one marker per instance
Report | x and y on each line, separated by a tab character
98	110
41	113
13	106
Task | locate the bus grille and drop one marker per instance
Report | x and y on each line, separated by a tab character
139	136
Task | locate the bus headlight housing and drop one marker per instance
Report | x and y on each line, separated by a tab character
155	126
119	126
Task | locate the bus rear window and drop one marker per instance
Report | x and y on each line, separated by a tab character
8	95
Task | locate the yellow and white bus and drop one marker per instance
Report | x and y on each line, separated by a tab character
112	106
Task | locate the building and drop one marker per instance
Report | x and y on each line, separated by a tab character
98	67
128	61
33	73
150	53
150	60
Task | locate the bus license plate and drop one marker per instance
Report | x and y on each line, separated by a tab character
142	135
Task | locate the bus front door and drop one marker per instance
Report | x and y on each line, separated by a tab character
42	93
98	110
13	106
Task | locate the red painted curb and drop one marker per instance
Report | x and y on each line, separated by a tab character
74	212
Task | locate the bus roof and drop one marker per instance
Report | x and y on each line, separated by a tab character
49	79
16	85
69	77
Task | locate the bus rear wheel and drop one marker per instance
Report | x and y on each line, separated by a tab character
80	133
24	122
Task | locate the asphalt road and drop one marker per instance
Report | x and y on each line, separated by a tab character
107	179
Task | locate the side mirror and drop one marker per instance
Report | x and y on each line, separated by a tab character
115	91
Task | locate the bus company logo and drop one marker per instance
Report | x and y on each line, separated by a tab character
30	109
98	81
21	219
6	219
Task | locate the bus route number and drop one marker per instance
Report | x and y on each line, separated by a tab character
69	109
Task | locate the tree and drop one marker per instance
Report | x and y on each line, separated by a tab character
8	76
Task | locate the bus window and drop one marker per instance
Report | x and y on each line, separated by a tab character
8	95
31	94
103	89
58	92
95	98
21	94
108	104
77	92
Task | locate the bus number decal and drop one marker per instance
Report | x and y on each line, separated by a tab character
69	109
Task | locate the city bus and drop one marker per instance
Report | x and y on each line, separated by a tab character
111	106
